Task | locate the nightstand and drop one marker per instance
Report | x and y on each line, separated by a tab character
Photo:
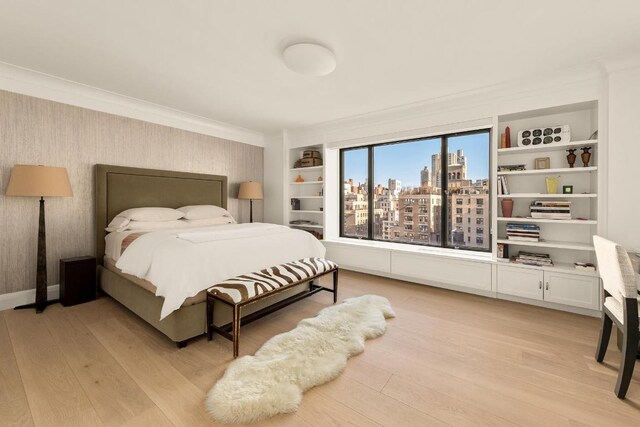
77	280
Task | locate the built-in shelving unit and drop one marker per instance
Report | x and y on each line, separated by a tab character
565	240
309	193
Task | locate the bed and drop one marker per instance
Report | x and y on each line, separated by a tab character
120	188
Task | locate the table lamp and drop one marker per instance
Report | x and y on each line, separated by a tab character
39	181
250	191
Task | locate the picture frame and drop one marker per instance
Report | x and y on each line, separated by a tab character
542	163
567	189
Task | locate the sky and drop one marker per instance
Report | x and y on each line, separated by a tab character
405	161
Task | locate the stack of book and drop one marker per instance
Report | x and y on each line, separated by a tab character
510	168
532	258
553	209
523	232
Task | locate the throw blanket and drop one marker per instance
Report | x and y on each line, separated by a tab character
180	268
316	351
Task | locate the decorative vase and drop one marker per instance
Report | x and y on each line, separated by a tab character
586	156
507	207
299	178
552	185
571	157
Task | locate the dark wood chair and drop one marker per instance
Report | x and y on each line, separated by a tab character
620	307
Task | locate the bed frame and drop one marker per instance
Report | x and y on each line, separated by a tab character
119	188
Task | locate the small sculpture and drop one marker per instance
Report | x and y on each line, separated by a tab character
299	178
586	156
507	137
319	178
571	157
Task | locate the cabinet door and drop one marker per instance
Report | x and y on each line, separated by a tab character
572	289
520	282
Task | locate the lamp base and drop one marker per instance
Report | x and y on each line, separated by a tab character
38	306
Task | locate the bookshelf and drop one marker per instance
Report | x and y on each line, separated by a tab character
565	240
309	193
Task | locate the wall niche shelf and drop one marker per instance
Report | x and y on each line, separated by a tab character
546	196
548	147
548	221
575	169
550	244
310	168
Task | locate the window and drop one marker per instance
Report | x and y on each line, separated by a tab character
382	184
355	199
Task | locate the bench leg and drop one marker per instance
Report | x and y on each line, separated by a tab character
236	330
335	286
209	318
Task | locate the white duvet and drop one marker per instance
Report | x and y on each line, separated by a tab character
181	263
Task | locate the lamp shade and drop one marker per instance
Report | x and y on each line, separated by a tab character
39	181
250	191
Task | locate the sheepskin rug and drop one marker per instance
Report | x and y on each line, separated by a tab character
272	381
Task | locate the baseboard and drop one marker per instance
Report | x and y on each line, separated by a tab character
14	299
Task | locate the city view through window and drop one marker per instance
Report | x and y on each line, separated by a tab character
407	192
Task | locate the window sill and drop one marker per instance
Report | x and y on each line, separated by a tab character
415	249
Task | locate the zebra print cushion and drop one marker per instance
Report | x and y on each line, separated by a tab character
247	286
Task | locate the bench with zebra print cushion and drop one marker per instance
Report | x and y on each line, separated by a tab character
248	288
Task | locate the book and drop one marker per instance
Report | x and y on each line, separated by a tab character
586	266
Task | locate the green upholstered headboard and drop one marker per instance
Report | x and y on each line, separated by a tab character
119	188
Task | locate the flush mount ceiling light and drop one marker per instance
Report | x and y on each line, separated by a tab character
309	59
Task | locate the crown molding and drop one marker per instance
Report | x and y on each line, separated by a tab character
496	95
32	83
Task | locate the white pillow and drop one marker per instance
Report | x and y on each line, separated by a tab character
151	214
204	212
118	223
155	225
209	221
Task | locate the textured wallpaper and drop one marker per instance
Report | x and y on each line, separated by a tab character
36	131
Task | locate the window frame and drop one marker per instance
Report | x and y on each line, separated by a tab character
444	196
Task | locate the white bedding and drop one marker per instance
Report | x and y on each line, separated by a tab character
182	263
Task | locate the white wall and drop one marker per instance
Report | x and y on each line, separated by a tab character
275	173
624	154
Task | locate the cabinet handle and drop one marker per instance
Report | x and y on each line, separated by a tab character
547	286
540	284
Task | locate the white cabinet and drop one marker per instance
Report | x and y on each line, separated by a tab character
469	274
550	286
520	282
572	289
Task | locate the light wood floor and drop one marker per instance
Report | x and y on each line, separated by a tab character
447	359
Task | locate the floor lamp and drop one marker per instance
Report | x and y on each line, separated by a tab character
250	191
39	181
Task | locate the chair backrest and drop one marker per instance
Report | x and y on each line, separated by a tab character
615	268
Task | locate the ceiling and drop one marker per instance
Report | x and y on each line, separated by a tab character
222	59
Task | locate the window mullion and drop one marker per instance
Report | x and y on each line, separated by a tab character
370	196
444	191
